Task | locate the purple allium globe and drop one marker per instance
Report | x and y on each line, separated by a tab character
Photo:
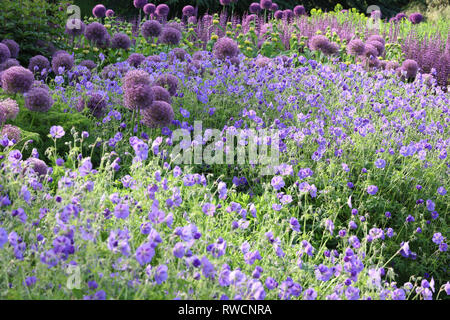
9	109
12	132
170	35
161	94
162	10
274	7
139	4
75	27
62	60
288	14
254	7
95	102
188	11
356	47
37	165
17	79
5	54
175	25
149	8
8	64
38	99
38	64
411	67
96	33
136	77
278	14
378	45
135	59
88	64
178	53
400	16
121	41
319	43
159	114
110	13
265	4
225	48
99	11
168	81
138	97
333	48
12	46
392	65
192	20
151	29
415	18
370	50
376	37
154	58
299	10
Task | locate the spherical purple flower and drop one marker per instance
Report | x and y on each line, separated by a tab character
96	33
372	189
95	102
159	114
288	14
151	29
274	7
400	16
139	4
62	60
99	11
254	7
38	99
88	64
299	10
17	79
265	4
162	10
8	64
38	166
12	46
135	59
135	77
138	96
170	35
5	54
188	11
9	109
370	51
278	14
392	65
376	37
121	41
161	94
110	13
178	53
378	45
356	47
149	8
411	67
321	43
168	81
75	27
154	58
225	47
12	132
192	20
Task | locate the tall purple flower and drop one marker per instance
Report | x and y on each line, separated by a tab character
99	11
139	4
17	79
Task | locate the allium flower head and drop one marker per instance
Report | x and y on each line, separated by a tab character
355	47
135	77
274	7
135	59
149	8
254	7
378	45
168	81
188	11
9	109
110	13
162	10
38	99
139	4
8	64
288	14
392	65
278	14
411	67
138	96
95	102
17	79
99	11
5	54
321	43
38	166
265	4
170	35
120	41
96	33
376	37
370	51
161	94
159	114
178	53
62	60
416	18
151	28
12	132
12	46
38	64
299	10
225	47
